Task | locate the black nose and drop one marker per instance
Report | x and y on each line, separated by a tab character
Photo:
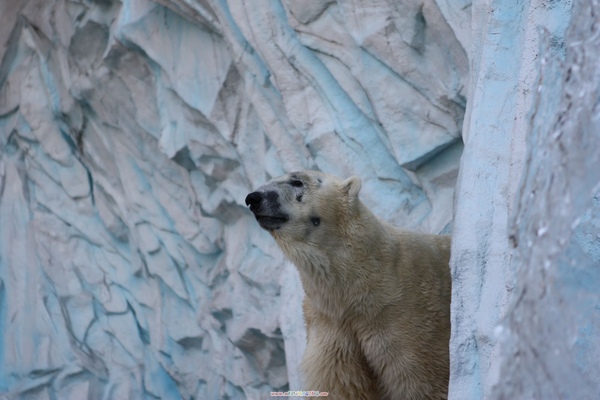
253	198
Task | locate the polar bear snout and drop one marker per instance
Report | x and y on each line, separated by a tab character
266	209
253	199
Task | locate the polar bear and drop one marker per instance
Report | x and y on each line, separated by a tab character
377	299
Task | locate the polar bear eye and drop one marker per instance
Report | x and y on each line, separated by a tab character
296	183
316	221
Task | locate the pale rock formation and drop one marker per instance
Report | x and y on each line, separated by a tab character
525	250
131	131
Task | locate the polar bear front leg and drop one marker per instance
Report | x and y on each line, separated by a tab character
334	363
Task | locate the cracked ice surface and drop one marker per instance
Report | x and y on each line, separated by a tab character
130	133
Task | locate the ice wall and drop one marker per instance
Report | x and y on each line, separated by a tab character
130	133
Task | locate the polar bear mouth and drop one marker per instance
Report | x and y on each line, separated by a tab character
272	222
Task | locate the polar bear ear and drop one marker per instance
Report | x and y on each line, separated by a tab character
352	186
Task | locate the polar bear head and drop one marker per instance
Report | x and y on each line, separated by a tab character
306	206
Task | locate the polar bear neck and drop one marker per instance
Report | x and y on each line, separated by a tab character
330	272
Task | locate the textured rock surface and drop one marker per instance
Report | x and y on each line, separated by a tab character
555	322
525	307
130	133
505	53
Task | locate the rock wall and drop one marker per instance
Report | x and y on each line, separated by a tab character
130	133
525	319
504	79
554	322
